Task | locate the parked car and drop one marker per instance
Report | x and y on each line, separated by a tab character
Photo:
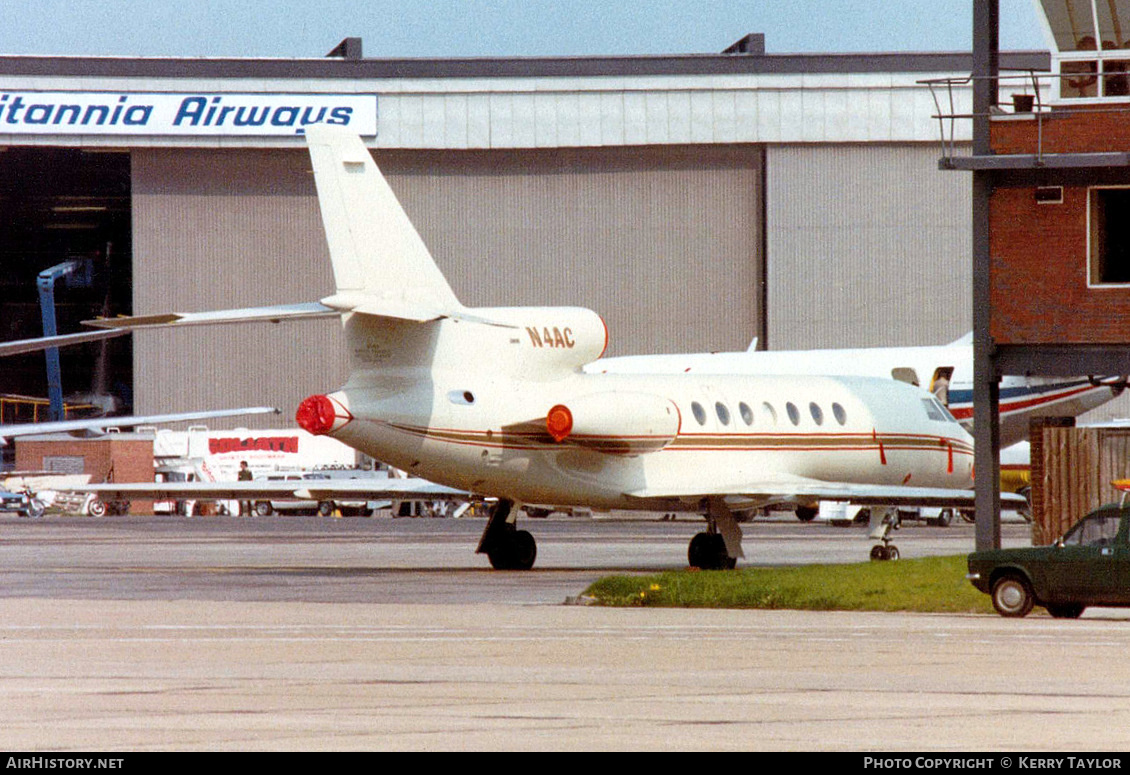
1088	566
21	503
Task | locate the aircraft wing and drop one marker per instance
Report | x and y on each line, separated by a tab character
100	424
329	489
784	489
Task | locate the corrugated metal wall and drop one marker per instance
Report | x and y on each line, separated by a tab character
663	242
867	245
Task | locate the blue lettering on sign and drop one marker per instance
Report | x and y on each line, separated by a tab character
199	111
14	110
176	113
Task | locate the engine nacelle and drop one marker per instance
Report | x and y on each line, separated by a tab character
551	339
616	423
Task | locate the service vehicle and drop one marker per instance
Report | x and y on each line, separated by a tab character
22	503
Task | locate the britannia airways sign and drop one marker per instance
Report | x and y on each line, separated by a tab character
214	114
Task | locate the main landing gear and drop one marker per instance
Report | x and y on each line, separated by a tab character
720	546
505	546
883	521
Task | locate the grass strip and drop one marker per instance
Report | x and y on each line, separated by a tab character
930	584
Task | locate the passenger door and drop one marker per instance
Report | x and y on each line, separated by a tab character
1093	563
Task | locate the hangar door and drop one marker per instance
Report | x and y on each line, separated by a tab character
868	244
663	242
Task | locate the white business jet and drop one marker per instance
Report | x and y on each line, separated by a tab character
496	401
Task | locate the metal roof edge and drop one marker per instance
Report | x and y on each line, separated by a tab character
505	67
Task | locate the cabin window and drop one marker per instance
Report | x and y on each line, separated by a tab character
746	413
723	413
1108	211
464	397
794	413
699	412
839	413
769	412
817	413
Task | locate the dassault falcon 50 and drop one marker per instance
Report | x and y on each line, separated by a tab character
497	401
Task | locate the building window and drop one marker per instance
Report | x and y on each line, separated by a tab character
1109	238
64	464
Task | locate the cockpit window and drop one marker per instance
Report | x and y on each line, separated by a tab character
933	410
945	410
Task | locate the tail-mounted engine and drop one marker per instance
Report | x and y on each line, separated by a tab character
551	339
616	423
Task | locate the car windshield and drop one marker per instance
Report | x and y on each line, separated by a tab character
1095	530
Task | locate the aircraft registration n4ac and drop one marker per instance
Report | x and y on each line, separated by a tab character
496	401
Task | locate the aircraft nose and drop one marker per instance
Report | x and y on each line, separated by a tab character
321	414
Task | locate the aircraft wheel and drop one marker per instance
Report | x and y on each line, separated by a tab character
1067	610
263	508
878	552
707	551
1012	596
892	552
518	551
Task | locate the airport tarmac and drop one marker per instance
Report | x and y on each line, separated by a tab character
161	633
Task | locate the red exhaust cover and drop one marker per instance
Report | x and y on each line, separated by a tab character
316	415
559	422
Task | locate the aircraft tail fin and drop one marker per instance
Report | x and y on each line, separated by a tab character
379	259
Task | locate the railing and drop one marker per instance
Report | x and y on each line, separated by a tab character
19	409
1035	104
1074	91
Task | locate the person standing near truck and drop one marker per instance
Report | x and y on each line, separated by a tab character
245	476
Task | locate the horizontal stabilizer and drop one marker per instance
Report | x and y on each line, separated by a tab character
271	314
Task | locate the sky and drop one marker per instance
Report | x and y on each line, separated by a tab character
487	28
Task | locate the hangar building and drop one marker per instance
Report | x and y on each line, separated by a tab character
694	201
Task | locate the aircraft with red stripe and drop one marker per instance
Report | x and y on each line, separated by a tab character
510	403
